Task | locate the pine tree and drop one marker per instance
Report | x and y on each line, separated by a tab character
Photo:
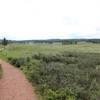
4	42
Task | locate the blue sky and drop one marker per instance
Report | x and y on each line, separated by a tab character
46	19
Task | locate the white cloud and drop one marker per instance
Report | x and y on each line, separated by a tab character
41	19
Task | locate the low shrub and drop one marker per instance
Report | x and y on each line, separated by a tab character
18	62
65	76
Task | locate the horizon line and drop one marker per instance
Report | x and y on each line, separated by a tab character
48	39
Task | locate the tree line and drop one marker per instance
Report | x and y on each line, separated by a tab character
4	41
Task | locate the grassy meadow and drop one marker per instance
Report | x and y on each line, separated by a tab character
24	50
59	72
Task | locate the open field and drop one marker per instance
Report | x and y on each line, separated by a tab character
19	50
59	72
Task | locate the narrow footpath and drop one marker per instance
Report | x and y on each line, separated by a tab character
14	85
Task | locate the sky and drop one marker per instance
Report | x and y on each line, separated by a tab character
49	19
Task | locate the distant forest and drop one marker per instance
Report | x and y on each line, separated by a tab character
51	41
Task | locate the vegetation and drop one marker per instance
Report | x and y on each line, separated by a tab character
65	76
4	42
63	41
24	50
59	72
0	71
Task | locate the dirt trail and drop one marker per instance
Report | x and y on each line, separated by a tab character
14	85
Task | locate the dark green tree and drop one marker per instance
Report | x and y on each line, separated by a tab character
4	42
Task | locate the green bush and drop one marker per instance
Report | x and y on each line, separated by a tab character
64	94
18	62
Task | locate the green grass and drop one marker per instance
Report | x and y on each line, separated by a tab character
19	50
